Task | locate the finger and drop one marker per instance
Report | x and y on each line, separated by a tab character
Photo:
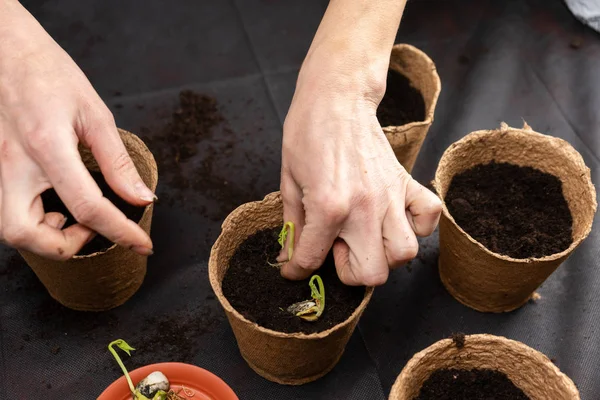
27	227
46	241
82	197
323	218
360	259
293	211
399	240
55	220
102	138
341	255
310	253
424	208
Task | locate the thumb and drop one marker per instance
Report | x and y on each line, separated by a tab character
117	167
423	208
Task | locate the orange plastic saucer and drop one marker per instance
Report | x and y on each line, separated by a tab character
204	384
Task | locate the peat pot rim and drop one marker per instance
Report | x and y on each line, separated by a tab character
152	186
540	358
430	110
216	285
504	129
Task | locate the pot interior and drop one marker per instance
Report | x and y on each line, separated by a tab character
527	368
420	71
525	148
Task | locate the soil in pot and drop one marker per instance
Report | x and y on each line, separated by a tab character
52	203
258	292
516	211
402	103
476	384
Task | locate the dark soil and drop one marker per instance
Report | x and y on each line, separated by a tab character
477	384
459	339
516	211
189	150
257	290
576	43
52	203
173	337
401	104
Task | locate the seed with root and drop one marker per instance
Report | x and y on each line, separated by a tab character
306	310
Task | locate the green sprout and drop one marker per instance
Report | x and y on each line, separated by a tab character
311	310
283	235
288	230
137	395
120	343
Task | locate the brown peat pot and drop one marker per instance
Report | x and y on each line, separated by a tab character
530	370
107	279
285	358
474	275
419	69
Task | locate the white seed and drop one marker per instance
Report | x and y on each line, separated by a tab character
153	383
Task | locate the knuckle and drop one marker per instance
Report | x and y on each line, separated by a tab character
307	263
334	208
435	206
123	163
375	279
108	117
16	235
401	254
86	211
103	115
38	140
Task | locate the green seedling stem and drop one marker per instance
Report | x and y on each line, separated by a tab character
318	294
120	343
288	230
311	310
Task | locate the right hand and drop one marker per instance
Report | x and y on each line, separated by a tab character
47	107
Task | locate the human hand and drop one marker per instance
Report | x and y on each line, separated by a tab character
47	107
342	185
340	181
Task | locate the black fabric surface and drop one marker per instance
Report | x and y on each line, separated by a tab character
498	61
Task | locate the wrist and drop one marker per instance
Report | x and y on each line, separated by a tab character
345	72
18	28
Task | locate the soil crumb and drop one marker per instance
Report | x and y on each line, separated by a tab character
191	149
459	340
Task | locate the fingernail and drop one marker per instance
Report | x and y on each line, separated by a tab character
144	193
62	223
141	250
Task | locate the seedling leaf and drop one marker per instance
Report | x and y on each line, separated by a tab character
121	344
318	294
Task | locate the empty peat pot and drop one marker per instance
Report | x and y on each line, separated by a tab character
478	277
286	358
106	279
419	69
528	369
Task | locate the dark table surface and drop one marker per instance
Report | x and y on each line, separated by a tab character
498	61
